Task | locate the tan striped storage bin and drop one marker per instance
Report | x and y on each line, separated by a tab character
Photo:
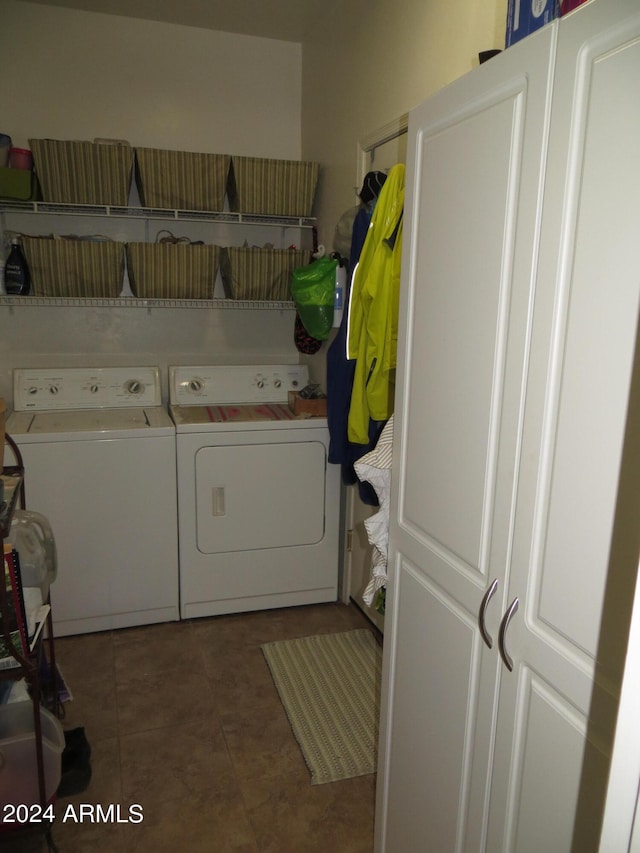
272	187
172	270
181	180
259	273
74	268
83	172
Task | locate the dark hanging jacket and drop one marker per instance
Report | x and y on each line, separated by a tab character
340	373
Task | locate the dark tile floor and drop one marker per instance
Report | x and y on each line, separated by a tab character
185	722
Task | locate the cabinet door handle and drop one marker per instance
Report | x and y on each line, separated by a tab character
506	619
486	598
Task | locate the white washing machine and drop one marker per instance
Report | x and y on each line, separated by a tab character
258	504
99	457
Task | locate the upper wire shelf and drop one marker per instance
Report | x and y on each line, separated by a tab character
58	209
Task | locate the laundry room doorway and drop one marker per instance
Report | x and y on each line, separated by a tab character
378	151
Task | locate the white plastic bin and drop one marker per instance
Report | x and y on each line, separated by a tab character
18	762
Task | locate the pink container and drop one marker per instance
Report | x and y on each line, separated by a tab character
20	158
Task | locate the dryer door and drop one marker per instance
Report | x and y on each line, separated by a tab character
256	496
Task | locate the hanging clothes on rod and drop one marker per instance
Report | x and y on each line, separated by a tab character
340	370
372	333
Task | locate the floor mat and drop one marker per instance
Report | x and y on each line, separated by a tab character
329	685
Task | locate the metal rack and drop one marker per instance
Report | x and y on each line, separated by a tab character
28	666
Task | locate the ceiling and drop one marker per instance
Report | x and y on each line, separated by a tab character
288	20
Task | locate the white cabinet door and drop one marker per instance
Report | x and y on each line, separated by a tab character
472	211
574	560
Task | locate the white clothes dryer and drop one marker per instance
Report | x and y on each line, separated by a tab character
99	458
258	504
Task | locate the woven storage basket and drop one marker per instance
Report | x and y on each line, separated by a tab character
74	268
83	172
272	187
181	180
259	273
172	270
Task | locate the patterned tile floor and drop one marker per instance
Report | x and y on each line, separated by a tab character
184	721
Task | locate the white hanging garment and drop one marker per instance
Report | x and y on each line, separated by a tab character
375	468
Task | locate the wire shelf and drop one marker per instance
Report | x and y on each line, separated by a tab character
115	211
134	302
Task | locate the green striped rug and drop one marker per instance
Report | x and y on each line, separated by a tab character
329	685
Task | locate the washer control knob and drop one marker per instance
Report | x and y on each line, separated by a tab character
260	383
195	385
94	389
277	383
53	389
134	386
32	390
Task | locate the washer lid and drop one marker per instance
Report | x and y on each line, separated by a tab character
96	420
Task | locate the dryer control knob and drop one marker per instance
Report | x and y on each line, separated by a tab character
195	385
53	389
277	383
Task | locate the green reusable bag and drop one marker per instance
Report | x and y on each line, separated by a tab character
313	289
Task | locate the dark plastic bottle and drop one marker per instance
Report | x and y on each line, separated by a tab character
17	280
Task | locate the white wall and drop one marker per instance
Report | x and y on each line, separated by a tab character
385	57
81	75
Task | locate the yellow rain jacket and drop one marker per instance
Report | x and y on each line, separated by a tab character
373	311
